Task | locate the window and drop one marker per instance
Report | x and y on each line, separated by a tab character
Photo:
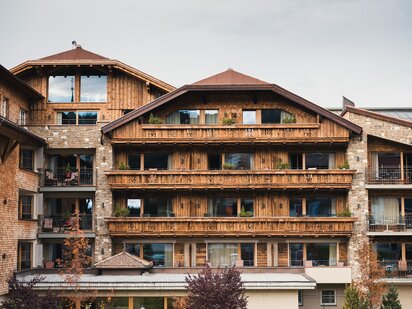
160	254
295	161
133	161
157	161
271	116
386	210
300	298
184	117
151	303
322	254
134	206
328	298
61	89
133	248
22	117
295	207
73	117
320	160
222	207
222	254
93	88
249	117
389	253
296	254
126	111
214	161
87	117
321	207
246	207
4	107
238	161
26	159
211	116
24	256
158	207
25	207
247	254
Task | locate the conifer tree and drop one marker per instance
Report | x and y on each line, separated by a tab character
390	300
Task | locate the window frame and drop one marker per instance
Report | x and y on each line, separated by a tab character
22	214
22	117
334	297
300	298
19	255
80	78
4	108
22	159
73	89
76	112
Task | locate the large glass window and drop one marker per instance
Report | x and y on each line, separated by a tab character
211	116
322	254
149	302
222	254
86	213
186	116
247	252
26	159
157	161
61	89
26	207
93	89
273	116
328	298
320	160
66	118
158	207
133	161
295	207
295	161
159	254
87	117
238	161
25	255
386	210
134	206
388	252
321	207
296	254
133	248
249	117
222	207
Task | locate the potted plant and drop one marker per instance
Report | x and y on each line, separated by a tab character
123	166
344	166
155	120
228	166
244	213
291	119
68	171
121	211
283	165
228	121
345	213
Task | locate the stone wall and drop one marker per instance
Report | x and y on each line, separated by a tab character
88	137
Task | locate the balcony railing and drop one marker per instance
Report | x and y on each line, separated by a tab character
236	179
382	223
314	263
60	223
390	175
397	269
223	226
61	177
239	133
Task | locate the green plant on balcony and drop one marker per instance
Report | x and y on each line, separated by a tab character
68	171
228	166
123	166
282	165
244	213
345	213
121	211
228	121
344	166
290	119
155	120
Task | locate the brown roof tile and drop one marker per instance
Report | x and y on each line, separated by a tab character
229	77
123	260
77	53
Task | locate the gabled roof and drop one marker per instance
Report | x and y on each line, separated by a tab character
375	115
79	56
209	84
229	77
21	86
123	260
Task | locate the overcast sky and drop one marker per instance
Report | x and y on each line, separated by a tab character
318	49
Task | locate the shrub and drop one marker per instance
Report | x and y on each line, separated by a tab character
228	121
155	120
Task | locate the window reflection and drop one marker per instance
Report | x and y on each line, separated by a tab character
87	117
61	89
93	89
238	161
184	117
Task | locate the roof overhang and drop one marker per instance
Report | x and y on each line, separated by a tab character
234	87
16	83
10	130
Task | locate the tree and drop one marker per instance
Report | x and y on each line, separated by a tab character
23	296
354	299
390	300
222	289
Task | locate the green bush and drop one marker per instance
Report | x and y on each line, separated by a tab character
155	120
228	121
121	211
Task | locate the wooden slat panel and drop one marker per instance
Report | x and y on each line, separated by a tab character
283	258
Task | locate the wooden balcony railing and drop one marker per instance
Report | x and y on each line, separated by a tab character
239	179
177	134
257	226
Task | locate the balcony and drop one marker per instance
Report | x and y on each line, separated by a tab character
219	226
52	179
402	224
397	269
389	175
58	224
216	134
239	179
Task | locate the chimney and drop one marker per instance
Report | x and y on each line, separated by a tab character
346	102
74	43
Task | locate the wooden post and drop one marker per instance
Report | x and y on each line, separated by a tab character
304	206
193	254
165	302
142	161
403	251
258	116
304	252
78	304
187	254
303	161
275	254
130	302
402	173
403	207
269	254
239	207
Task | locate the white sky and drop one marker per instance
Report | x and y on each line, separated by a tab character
318	49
